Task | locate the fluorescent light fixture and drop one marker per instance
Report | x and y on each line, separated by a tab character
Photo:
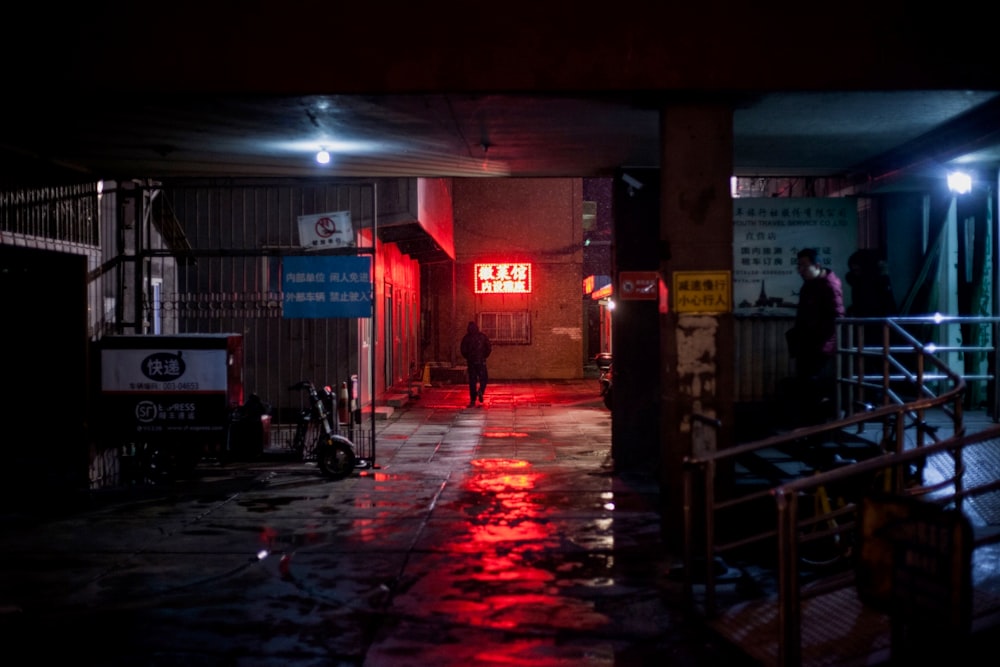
959	182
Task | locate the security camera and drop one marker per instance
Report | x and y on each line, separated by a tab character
632	183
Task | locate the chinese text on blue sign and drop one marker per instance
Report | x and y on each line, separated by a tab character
326	286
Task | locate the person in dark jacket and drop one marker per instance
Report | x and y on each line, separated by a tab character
813	339
871	288
476	349
871	296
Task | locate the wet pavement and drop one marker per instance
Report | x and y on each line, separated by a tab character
493	535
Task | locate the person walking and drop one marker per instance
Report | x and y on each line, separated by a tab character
813	339
476	348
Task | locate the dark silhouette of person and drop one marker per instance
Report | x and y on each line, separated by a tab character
813	339
871	288
476	348
871	296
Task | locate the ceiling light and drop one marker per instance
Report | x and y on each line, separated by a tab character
959	182
323	156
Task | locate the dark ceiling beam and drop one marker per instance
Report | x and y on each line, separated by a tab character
971	132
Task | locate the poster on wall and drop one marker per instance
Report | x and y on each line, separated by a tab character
768	233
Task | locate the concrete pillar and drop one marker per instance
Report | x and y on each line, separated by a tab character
635	325
696	350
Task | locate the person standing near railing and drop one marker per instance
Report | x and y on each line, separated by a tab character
871	296
812	342
871	288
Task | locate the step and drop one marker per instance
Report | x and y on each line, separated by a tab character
382	413
396	400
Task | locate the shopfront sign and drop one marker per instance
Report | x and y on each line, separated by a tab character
503	278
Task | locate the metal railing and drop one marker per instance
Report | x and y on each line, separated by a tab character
899	340
952	491
913	378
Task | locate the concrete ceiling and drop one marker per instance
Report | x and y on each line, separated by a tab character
870	136
875	92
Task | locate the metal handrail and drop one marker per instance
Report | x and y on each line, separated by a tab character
786	500
705	468
894	331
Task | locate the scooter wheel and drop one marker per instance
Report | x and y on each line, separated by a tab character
336	458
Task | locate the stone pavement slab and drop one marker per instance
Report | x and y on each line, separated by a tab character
494	535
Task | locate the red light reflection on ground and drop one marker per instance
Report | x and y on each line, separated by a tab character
499	464
381	500
366	530
504	578
268	536
504	434
379	476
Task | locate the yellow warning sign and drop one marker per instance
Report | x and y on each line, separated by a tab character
703	291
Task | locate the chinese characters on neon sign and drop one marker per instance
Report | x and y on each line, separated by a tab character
503	278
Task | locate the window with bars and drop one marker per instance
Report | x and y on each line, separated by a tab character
508	328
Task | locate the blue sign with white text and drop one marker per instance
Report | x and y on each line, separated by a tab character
328	286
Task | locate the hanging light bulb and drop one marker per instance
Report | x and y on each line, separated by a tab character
323	156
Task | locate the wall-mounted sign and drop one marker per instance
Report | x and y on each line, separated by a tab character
702	291
603	293
768	233
326	230
503	278
638	285
593	283
326	286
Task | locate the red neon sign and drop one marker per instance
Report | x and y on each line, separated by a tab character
503	278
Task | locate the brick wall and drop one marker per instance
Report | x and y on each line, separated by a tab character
524	220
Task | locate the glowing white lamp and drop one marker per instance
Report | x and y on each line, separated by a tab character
959	182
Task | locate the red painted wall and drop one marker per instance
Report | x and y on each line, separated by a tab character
397	286
434	211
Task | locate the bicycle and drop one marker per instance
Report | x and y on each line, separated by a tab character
316	434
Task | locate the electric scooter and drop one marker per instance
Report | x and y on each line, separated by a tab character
317	430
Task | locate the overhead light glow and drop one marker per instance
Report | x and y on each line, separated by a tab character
959	182
311	147
323	156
